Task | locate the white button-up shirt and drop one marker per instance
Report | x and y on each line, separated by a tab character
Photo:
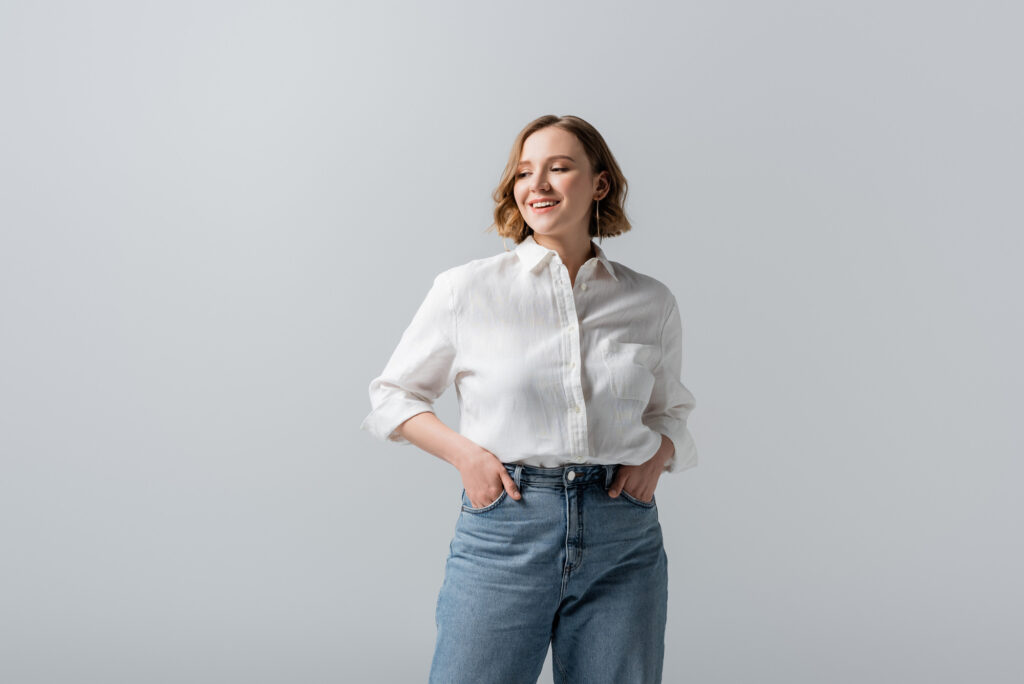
546	374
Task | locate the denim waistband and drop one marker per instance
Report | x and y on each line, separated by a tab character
567	476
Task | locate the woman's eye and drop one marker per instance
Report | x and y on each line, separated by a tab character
559	168
522	174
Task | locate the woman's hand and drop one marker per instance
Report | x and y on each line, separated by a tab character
484	477
639	481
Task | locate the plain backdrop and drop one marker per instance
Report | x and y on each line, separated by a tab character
217	218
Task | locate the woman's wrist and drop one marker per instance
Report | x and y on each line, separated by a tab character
665	452
463	452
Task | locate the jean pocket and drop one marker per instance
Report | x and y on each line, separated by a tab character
468	506
637	502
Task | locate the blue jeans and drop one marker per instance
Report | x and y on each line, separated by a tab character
566	565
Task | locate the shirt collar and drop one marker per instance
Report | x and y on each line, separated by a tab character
531	254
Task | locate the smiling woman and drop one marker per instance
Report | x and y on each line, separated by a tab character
567	366
567	152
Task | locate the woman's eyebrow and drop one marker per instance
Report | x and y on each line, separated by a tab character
557	156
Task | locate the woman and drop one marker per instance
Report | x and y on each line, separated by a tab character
567	369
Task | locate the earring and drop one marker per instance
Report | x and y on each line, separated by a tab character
597	215
505	244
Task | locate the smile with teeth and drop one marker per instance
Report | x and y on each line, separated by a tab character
544	204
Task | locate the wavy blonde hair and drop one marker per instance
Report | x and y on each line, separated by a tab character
509	221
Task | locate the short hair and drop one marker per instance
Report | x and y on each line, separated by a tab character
509	221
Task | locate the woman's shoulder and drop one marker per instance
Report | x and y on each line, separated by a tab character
644	283
494	266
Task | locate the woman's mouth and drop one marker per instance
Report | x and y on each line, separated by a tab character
543	206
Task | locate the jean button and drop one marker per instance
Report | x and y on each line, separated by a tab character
571	476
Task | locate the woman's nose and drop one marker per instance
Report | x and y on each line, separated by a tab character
539	182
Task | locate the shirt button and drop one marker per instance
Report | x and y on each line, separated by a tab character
583	287
571	476
576	408
572	365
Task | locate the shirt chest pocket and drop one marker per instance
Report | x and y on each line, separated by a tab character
630	367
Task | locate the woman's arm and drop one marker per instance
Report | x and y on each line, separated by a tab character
421	367
426	431
671	402
483	474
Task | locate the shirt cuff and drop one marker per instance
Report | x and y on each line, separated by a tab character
685	456
383	420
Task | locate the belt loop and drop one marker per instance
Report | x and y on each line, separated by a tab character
609	472
519	469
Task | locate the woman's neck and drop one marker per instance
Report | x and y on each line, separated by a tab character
574	250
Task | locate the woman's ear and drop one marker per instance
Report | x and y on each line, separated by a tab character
602	184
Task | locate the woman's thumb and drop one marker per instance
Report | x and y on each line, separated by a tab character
510	485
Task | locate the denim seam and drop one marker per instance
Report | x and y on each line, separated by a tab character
558	664
636	501
579	525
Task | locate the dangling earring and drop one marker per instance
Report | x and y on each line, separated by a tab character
505	244
597	215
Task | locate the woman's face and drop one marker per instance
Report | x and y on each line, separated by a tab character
553	167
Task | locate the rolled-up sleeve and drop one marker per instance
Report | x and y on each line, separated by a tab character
671	403
421	367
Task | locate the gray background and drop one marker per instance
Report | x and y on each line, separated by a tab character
218	218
